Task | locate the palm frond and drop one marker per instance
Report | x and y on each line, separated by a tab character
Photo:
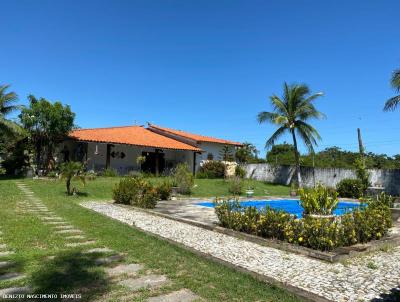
279	105
395	81
271	117
392	103
274	137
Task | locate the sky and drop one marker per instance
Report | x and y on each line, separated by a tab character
208	67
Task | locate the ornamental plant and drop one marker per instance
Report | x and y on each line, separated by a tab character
369	222
318	201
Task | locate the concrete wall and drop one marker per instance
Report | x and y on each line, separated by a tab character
280	174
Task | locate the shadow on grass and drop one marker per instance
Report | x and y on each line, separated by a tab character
393	296
71	273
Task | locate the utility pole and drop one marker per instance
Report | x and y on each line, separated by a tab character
360	144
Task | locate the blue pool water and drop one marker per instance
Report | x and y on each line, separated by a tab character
291	206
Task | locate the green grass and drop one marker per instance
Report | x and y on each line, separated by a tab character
73	272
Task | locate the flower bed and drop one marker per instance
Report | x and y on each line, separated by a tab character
325	234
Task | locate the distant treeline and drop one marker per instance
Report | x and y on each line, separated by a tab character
332	157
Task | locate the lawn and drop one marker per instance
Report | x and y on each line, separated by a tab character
73	272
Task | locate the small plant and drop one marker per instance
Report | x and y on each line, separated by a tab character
235	185
140	160
372	265
226	154
318	201
109	172
212	169
136	191
362	173
351	188
240	172
72	171
164	190
183	179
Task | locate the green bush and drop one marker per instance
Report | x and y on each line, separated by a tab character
364	224
319	201
164	190
109	173
235	185
240	172
136	191
183	179
351	188
212	169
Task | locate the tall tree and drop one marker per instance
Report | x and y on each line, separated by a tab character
291	113
392	103
246	152
8	105
47	123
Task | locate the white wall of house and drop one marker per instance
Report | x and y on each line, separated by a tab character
212	148
124	165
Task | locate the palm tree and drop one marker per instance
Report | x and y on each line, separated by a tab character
291	114
72	171
7	105
392	103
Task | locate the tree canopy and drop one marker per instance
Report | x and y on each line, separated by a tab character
47	123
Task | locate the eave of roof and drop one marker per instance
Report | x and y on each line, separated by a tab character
130	135
195	137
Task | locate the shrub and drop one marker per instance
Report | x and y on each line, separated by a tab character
319	201
362	225
240	172
212	169
52	174
164	190
351	188
362	173
183	179
235	185
109	172
136	191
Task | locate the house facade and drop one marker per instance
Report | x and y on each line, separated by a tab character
152	149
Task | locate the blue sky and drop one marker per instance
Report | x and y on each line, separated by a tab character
208	66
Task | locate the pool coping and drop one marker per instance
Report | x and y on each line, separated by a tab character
337	255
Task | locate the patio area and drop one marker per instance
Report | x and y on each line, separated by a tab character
373	277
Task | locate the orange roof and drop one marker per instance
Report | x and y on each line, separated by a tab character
130	135
195	137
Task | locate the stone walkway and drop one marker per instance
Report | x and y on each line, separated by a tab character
360	279
125	275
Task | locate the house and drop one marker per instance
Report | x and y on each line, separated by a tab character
152	149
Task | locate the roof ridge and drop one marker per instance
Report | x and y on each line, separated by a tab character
170	130
113	127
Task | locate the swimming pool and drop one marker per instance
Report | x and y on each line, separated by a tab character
291	206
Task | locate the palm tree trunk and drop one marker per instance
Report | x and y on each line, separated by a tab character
68	183
297	158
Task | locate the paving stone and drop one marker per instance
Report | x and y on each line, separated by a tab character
64	227
76	237
68	231
11	276
99	250
6	253
183	295
5	264
51	218
108	260
149	281
122	269
15	291
75	244
55	222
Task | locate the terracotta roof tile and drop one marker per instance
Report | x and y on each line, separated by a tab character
130	135
195	137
